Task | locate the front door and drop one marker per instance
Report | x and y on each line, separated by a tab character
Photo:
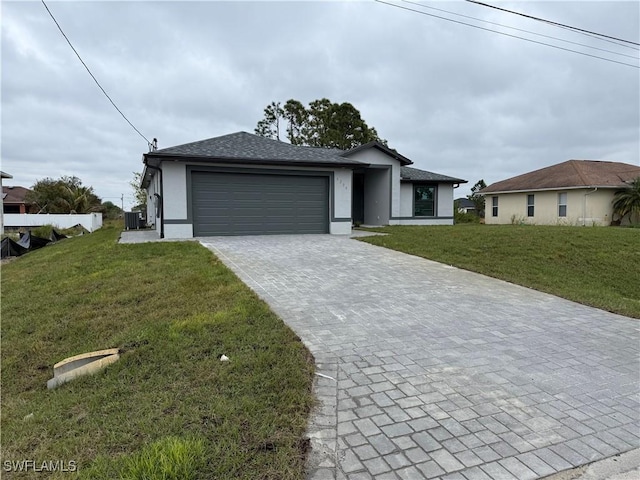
357	200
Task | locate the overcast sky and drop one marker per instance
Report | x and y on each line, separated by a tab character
454	99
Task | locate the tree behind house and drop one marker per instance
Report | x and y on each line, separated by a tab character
139	193
64	195
476	198
322	124
269	126
110	210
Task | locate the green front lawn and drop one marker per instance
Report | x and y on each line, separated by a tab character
172	309
597	266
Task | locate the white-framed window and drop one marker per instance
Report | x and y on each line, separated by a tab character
562	204
494	206
530	205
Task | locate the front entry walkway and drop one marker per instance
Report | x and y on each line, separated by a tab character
429	371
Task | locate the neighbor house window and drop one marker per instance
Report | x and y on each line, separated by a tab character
424	204
494	206
530	205
562	204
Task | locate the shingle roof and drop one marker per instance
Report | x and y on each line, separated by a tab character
464	203
14	194
246	146
570	174
410	173
243	147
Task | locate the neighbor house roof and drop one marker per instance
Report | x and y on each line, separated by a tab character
5	175
464	203
13	195
569	174
414	174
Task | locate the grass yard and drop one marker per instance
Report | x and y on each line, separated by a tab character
596	266
168	408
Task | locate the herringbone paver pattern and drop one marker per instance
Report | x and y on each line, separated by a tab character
441	373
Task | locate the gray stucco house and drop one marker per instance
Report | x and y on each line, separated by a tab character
244	184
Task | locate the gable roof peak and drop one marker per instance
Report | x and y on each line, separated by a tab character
380	146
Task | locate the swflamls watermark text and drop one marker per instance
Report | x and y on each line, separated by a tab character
40	466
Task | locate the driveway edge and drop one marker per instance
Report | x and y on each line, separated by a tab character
323	423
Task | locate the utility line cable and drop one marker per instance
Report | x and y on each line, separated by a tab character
507	34
552	23
600	38
92	76
522	30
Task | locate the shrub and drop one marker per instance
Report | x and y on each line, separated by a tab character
461	217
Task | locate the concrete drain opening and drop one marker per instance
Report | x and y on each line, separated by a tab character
80	365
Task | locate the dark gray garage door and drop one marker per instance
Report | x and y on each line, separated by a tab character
258	204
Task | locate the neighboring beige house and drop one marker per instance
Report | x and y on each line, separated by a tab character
575	192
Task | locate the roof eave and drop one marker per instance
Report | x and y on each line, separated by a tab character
253	161
448	180
145	179
551	189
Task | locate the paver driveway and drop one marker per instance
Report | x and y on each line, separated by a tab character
443	373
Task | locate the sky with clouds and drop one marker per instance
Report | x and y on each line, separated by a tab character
456	100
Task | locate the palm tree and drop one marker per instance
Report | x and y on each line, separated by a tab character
627	201
79	199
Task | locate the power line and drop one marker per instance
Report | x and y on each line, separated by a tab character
601	39
507	34
552	22
522	30
596	37
92	76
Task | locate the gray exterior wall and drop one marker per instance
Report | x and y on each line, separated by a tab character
445	200
376	159
377	196
444	206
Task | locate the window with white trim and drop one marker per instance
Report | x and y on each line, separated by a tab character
530	205
494	206
562	204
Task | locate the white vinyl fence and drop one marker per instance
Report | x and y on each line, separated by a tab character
90	221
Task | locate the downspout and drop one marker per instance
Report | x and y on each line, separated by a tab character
584	205
160	197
